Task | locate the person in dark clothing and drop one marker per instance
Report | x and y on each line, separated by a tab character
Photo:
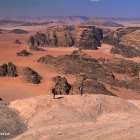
54	92
81	89
1	99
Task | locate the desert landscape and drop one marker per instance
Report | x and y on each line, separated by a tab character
101	54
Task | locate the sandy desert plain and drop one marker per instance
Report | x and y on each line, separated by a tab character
28	111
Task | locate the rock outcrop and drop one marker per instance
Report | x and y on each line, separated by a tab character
18	31
57	36
121	66
23	53
8	70
62	86
86	37
17	41
78	63
39	39
125	40
31	76
126	67
27	73
90	86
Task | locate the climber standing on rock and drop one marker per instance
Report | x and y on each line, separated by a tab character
54	92
81	89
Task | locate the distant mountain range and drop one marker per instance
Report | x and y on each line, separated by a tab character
129	19
101	22
35	21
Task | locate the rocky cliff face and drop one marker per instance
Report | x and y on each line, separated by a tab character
125	40
86	37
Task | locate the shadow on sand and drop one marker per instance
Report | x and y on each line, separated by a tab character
59	97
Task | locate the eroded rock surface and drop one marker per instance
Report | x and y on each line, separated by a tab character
61	84
94	117
23	53
78	63
125	40
8	70
31	76
86	37
126	67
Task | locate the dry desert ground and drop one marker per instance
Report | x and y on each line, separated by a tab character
34	115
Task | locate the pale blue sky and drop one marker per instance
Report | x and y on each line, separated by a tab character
102	8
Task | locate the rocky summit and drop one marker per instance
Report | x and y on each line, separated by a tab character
86	37
125	40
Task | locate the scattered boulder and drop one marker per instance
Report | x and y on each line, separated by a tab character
17	41
61	84
31	76
86	37
8	70
18	31
3	70
23	53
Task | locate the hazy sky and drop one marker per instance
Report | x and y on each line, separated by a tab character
127	8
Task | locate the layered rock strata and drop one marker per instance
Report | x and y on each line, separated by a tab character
125	40
86	37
